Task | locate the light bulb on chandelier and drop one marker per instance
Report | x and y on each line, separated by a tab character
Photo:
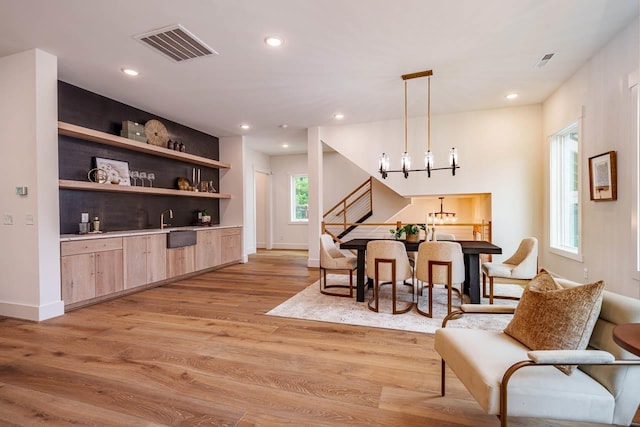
405	160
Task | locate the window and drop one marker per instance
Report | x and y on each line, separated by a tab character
565	193
299	198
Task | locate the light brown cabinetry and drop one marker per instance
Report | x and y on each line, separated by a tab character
218	247
90	268
145	259
78	277
230	245
181	261
98	267
208	249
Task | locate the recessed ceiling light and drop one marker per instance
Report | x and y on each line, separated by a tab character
130	72
285	145
274	41
338	116
512	96
245	126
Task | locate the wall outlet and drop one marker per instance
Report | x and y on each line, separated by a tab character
7	219
28	219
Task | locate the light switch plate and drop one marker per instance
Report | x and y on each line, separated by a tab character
22	191
7	219
28	219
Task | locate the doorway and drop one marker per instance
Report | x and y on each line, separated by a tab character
262	210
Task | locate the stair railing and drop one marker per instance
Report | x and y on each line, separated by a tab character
352	209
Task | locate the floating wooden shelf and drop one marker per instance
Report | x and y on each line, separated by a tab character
80	132
93	186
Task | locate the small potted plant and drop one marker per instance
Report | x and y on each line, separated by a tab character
205	218
412	231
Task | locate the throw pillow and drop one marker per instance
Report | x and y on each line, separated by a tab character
551	317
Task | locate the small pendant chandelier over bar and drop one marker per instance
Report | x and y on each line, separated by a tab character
441	217
405	160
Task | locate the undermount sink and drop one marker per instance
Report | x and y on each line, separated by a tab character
180	238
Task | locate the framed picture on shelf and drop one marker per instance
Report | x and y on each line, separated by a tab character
602	177
117	170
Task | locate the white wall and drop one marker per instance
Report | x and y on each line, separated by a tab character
254	164
600	89
30	256
499	154
234	211
340	177
286	235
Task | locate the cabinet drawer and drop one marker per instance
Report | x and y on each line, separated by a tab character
88	246
230	231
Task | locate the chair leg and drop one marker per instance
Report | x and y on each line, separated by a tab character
449	285
484	285
442	377
324	286
490	289
421	294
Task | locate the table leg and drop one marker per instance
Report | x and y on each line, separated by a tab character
360	276
472	277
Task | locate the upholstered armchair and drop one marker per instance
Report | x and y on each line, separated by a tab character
331	258
508	378
521	266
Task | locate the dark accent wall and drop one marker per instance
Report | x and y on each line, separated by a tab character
124	211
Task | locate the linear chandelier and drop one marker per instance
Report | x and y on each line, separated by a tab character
442	216
405	160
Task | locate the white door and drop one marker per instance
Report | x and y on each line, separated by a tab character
262	210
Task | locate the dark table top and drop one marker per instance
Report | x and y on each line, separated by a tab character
627	336
468	246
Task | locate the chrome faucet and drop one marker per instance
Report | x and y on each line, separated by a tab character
162	224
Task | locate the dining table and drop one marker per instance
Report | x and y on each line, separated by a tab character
471	250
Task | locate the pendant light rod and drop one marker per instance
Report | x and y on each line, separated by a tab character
406	120
428	113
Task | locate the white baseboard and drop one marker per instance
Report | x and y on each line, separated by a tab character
31	312
299	246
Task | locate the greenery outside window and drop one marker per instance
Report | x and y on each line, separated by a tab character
299	198
564	181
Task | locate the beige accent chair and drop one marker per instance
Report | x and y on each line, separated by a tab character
521	267
445	236
388	263
506	378
438	262
331	258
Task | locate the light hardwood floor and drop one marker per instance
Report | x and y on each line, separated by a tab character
202	352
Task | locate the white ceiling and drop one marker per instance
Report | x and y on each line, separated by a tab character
339	56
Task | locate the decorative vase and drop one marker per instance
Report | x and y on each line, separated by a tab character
413	237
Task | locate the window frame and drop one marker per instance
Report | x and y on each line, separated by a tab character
292	200
557	195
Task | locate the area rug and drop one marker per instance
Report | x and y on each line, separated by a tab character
310	304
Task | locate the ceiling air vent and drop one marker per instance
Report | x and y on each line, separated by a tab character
543	61
176	43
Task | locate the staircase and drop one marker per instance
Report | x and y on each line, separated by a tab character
352	210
